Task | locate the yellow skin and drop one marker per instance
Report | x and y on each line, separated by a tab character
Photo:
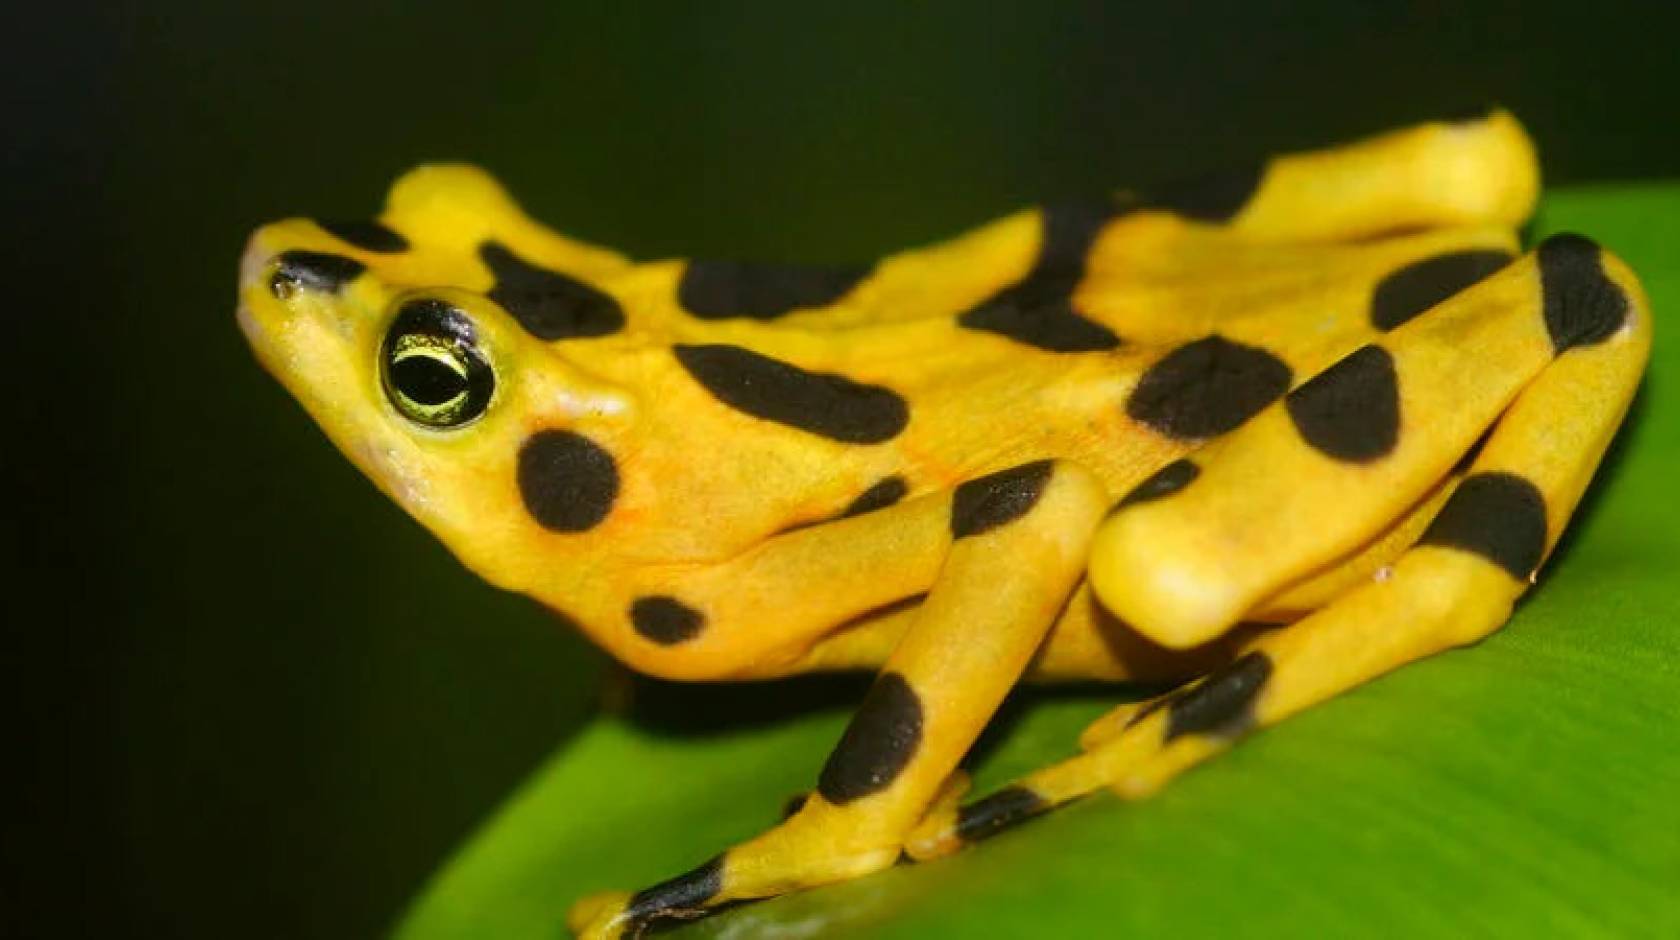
666	453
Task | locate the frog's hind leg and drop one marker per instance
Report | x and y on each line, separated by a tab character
1020	538
1318	474
1470	171
1454	586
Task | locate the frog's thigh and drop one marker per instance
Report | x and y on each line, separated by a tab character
1020	539
1292	604
1086	643
1333	464
1455	586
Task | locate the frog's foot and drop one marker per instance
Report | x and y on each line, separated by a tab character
804	852
1454	585
1435	596
1018	540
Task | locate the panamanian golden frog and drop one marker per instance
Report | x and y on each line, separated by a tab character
1272	432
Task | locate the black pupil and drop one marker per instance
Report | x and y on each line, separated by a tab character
426	380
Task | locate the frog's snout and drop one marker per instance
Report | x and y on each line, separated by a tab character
297	312
254	261
283	287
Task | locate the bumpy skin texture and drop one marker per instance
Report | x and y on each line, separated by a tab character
1096	441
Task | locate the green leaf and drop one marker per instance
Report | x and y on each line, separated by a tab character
1526	785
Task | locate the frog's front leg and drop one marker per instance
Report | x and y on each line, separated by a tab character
1019	540
1456	585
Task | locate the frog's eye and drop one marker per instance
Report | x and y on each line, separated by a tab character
432	368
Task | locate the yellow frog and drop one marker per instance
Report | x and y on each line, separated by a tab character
1273	432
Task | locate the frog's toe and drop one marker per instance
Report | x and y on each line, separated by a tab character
611	914
933	836
599	916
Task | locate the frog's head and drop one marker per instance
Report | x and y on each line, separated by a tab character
421	345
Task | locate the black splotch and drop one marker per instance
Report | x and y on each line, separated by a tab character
1351	411
1210	197
793	804
666	620
312	270
1223	702
877	745
1499	516
1069	231
1421	285
1031	315
983	504
685	893
1038	309
1468	458
1206	388
1166	481
1049	325
548	304
1582	305
883	494
367	235
989	816
821	403
719	290
568	481
1148	708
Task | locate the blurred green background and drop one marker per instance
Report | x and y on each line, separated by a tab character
256	700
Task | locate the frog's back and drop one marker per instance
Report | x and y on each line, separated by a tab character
732	401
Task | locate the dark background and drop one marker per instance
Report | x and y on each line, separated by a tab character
255	699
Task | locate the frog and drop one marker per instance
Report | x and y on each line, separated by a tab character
1259	437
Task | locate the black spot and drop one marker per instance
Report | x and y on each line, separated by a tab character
821	403
987	817
684	894
1350	411
1582	305
1223	702
1166	481
1033	316
1499	516
367	235
568	481
793	804
883	494
666	620
548	304
983	504
312	270
1420	285
717	290
1148	708
1070	229
877	745
1468	458
1211	197
1038	310
1205	388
